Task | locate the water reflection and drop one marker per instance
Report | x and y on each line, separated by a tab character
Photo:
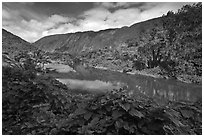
164	90
160	90
95	86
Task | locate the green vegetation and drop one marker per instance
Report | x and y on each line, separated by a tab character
38	104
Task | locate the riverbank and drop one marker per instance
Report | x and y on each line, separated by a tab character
153	72
147	72
107	59
157	73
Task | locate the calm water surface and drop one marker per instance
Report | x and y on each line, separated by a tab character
161	90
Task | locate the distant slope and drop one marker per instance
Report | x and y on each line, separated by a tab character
82	41
13	44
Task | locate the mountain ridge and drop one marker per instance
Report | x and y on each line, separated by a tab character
6	31
77	42
13	44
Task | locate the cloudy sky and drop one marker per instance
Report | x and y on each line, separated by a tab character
32	21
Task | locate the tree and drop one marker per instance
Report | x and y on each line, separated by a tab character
184	35
153	49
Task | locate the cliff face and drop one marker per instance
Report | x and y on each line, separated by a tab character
13	44
75	43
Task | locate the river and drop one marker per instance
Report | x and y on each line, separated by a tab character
161	90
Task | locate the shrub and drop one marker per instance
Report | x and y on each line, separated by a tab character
42	105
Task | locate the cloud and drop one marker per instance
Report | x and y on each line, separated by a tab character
31	26
5	14
112	4
21	11
124	17
28	3
42	28
58	19
117	4
150	10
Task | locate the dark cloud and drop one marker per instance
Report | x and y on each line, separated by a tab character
63	8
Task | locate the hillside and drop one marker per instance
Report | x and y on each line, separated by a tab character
13	44
86	41
158	43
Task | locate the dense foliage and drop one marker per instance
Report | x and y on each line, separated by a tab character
177	45
38	104
34	61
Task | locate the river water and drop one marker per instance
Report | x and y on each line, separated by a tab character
161	90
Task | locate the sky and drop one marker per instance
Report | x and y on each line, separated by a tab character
34	20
